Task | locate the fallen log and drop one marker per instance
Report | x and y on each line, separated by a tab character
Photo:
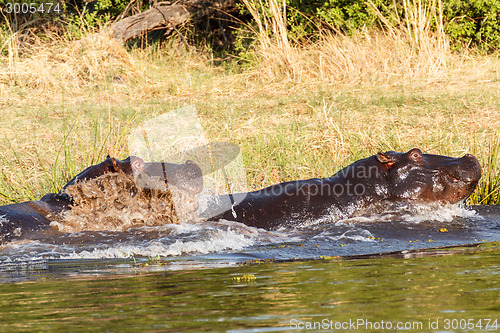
167	17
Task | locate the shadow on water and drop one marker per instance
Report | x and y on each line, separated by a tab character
433	268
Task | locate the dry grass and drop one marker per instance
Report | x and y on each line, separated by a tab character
65	67
68	71
406	52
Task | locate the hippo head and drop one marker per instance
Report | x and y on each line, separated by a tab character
426	177
131	166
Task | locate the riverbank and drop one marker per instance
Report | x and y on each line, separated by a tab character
69	103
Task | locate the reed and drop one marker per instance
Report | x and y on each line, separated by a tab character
488	191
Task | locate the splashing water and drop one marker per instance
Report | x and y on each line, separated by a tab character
395	227
115	202
407	212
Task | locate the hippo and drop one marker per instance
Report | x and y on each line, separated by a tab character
187	176
28	217
390	176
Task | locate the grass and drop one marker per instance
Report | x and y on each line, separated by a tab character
297	109
282	137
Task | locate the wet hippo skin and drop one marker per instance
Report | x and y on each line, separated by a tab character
393	176
411	176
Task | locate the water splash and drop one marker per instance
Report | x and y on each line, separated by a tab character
409	212
115	202
396	228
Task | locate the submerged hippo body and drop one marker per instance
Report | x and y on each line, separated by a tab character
18	219
391	176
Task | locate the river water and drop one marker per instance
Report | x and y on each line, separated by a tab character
429	267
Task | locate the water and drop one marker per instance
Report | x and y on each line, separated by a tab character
437	267
399	227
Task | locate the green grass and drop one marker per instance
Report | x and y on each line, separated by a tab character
283	137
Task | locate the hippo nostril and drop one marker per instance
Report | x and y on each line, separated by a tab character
466	169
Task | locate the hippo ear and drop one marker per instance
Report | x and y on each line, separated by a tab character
114	165
387	160
108	156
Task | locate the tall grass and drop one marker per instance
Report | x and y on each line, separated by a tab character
53	144
407	52
65	66
488	191
408	49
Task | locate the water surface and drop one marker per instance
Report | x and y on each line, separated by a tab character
385	266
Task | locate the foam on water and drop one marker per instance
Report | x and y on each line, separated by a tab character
29	250
219	241
359	235
410	213
373	231
436	212
151	241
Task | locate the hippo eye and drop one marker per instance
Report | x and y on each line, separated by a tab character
416	155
